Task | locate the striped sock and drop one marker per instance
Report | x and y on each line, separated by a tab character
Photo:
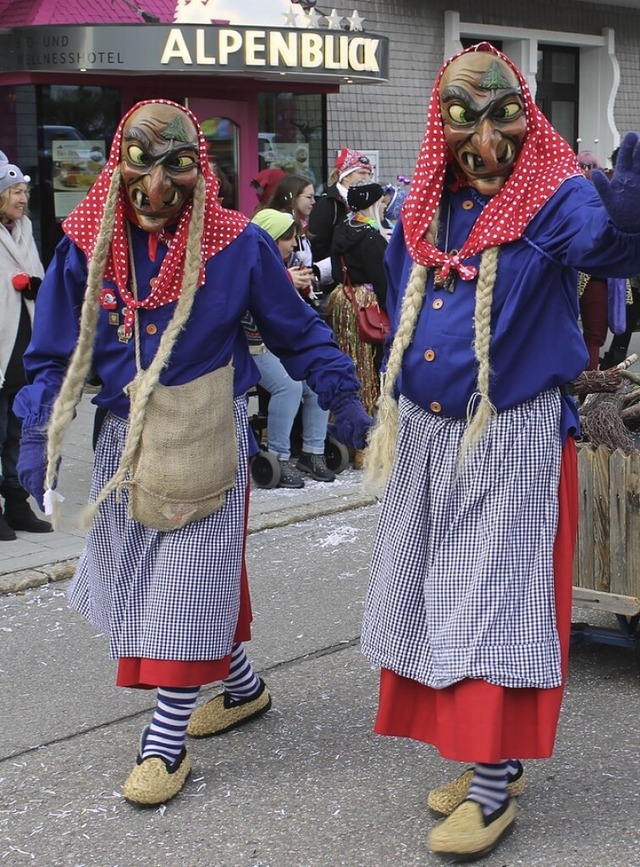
489	787
514	769
165	735
242	681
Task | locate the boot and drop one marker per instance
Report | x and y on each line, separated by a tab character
6	532
19	514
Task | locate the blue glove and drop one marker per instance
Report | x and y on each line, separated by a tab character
32	463
350	422
621	195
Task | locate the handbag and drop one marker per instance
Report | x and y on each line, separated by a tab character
373	322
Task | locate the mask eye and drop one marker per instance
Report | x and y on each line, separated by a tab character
184	161
458	114
510	110
136	155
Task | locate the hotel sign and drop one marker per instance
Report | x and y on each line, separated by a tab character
255	52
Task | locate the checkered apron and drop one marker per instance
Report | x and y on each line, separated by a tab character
462	582
173	596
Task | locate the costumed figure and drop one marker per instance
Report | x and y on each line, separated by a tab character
162	573
357	261
21	272
469	604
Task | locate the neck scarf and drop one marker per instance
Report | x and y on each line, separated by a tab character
82	225
544	162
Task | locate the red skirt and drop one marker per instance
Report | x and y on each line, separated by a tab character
145	673
476	721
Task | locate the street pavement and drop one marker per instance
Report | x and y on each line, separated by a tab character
37	558
309	784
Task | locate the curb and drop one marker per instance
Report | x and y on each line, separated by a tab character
27	579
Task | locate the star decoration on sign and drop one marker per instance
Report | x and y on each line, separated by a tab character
290	18
355	21
334	20
312	19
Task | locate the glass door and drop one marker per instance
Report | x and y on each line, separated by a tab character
225	127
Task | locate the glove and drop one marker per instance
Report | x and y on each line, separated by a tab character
32	463
621	195
350	422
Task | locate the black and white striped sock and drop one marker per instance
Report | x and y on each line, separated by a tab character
166	734
514	769
489	786
242	681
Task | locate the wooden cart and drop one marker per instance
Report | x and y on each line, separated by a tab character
606	570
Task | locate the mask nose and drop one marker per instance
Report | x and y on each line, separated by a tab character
157	184
486	142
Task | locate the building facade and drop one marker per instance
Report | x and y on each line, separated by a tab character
276	82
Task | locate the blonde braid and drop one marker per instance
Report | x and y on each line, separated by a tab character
478	421
382	438
80	363
141	388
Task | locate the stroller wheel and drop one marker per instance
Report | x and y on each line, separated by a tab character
265	470
336	454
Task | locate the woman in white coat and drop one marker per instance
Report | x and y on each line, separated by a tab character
20	274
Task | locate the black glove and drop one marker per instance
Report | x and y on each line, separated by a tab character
621	195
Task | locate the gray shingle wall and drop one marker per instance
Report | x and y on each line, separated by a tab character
391	117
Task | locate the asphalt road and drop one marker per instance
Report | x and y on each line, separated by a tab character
309	784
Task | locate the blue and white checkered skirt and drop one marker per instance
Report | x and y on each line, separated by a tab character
462	582
172	596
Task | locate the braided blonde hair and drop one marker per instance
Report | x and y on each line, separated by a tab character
380	452
80	364
379	455
145	380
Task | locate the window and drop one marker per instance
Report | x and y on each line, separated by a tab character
291	134
558	88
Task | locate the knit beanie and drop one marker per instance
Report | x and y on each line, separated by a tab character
362	196
274	222
349	161
10	174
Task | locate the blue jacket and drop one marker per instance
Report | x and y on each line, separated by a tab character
247	275
536	341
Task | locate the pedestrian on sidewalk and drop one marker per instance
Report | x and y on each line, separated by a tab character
21	272
162	275
287	395
469	605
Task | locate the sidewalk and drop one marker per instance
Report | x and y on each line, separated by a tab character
35	559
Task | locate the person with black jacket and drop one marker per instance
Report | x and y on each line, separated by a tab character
351	167
357	253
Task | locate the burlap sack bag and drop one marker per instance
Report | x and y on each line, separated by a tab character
188	455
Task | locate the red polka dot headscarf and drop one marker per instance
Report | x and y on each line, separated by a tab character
544	162
221	225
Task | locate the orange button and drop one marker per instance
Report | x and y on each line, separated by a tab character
153	281
151	329
467	204
437	304
434	406
429	355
